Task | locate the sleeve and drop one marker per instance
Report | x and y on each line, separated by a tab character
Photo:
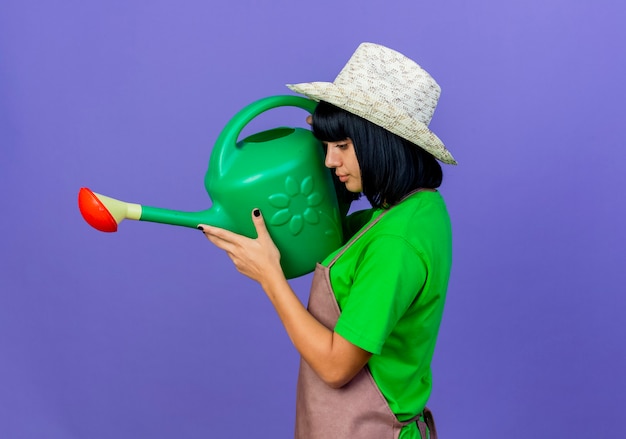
389	276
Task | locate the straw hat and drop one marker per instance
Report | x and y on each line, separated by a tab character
388	89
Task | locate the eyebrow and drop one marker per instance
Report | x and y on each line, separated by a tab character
340	142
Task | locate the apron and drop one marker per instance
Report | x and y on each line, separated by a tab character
357	410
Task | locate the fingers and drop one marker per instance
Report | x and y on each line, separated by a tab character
255	258
222	238
224	234
227	235
227	240
259	224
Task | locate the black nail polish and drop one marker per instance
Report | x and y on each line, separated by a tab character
200	228
256	212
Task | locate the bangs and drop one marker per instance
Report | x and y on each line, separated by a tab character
330	123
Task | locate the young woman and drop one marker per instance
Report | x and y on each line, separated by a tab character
368	334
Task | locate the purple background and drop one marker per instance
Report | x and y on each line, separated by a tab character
150	331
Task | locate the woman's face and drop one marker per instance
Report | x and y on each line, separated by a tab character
341	157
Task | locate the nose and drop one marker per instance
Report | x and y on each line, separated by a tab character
332	158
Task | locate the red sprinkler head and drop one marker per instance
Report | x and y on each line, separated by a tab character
95	212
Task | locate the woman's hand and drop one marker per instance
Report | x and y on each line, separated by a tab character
259	258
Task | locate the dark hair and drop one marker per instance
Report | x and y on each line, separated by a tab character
391	167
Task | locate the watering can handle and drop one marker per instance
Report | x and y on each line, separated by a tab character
229	135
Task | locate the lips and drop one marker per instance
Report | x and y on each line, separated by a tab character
342	178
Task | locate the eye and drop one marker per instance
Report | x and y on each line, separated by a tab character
342	144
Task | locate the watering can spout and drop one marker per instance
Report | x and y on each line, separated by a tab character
105	213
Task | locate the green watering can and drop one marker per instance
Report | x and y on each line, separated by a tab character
280	171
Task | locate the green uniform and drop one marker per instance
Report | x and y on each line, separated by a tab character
391	287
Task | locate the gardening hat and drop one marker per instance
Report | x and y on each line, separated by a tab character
388	89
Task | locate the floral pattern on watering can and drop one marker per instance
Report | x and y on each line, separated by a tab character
296	204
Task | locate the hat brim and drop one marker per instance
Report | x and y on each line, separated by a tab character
377	111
